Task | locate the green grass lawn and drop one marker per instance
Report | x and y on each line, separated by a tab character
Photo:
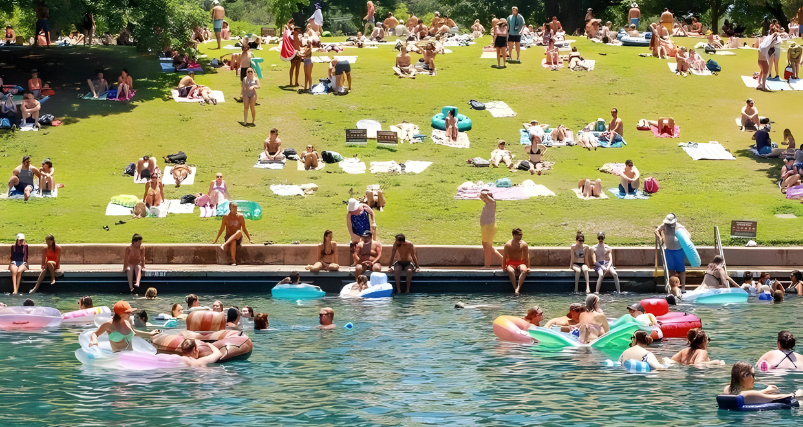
100	138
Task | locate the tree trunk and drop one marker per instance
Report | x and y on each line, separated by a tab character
776	9
715	5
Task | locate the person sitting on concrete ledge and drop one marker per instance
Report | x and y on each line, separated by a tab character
134	262
516	258
326	318
366	255
408	261
602	257
326	254
234	224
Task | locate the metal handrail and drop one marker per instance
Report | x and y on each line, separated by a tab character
659	248
718	247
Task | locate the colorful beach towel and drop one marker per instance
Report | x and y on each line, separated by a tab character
579	195
630	196
656	134
439	137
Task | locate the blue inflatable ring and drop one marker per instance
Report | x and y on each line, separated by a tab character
439	120
736	403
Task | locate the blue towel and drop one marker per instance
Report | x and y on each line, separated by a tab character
629	196
525	137
167	67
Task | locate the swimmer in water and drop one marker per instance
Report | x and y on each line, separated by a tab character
570	319
591	324
697	352
191	354
784	357
534	315
743	378
120	331
638	351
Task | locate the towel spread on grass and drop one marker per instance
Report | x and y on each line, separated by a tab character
25	127
630	196
532	189
218	95
613	168
117	210
300	167
488	55
579	194
676	133
287	190
385	167
405	131
796	84
167	67
415	166
725	53
104	96
439	137
586	65
34	194
274	164
350	59
545	65
167	179
499	109
527	189
771	84
176	207
321	59
673	66
352	165
710	151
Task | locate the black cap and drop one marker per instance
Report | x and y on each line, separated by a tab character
367	233
637	307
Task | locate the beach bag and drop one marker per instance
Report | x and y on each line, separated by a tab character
476	105
651	185
41	39
787	72
713	66
600	126
480	162
187	198
179	158
524	165
503	183
202	200
131	169
290	152
47	119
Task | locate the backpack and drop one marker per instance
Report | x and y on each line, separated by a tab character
503	183
131	169
288	152
41	39
713	66
710	49
476	105
524	165
187	198
651	185
600	125
47	119
179	158
480	162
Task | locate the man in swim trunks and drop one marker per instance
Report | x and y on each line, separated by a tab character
572	318
180	173
30	108
616	126
273	147
186	84
218	14
22	178
234	224
675	258
412	22
408	261
629	180
98	85
515	23
634	15
667	20
366	255
191	354
516	257
602	255
325	317
134	262
750	117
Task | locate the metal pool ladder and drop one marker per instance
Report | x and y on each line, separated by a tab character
659	248
718	248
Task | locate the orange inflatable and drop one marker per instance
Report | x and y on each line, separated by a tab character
234	344
512	329
206	321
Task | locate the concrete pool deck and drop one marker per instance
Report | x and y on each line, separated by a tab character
445	269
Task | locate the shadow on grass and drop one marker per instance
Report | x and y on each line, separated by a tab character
773	165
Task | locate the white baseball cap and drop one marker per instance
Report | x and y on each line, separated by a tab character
671	219
353	205
215	2
20	236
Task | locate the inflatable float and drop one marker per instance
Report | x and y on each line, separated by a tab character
635	41
631	365
29	318
646	321
512	329
87	315
102	354
250	210
378	288
617	338
288	52
730	402
234	344
688	248
296	292
206	321
439	120
717	296
673	324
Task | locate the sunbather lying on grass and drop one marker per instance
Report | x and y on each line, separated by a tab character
664	125
590	188
180	173
146	167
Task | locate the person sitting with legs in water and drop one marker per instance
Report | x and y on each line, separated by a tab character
18	262
408	261
234	225
716	277
98	85
579	261
310	158
784	357
697	352
516	258
602	256
327	255
743	379
51	261
134	262
366	255
273	147
22	178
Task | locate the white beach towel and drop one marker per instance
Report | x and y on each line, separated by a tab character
286	190
488	55
385	167
415	166
300	166
439	137
167	179
176	207
117	210
710	151
579	195
273	165
532	189
350	59
352	166
320	59
499	109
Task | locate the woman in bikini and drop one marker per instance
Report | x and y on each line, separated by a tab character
327	255
782	358
51	261
310	158
451	126
696	353
120	331
35	84
154	192
716	277
218	191
590	188
682	60
536	151
180	173
249	86
579	261
124	86
638	350
743	379
591	325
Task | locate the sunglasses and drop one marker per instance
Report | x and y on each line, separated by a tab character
749	374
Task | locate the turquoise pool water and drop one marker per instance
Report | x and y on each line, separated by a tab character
413	360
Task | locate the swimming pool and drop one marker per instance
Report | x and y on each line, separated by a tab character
412	360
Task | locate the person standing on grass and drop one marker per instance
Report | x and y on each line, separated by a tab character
369	16
218	14
675	258
634	15
234	224
488	226
295	63
408	261
515	24
250	84
42	15
134	262
89	28
500	32
793	58
516	257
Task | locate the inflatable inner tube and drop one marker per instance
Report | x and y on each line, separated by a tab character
512	329
206	321
296	292
167	343
29	318
85	316
634	41
439	120
688	248
731	402
717	296
677	324
102	353
655	306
